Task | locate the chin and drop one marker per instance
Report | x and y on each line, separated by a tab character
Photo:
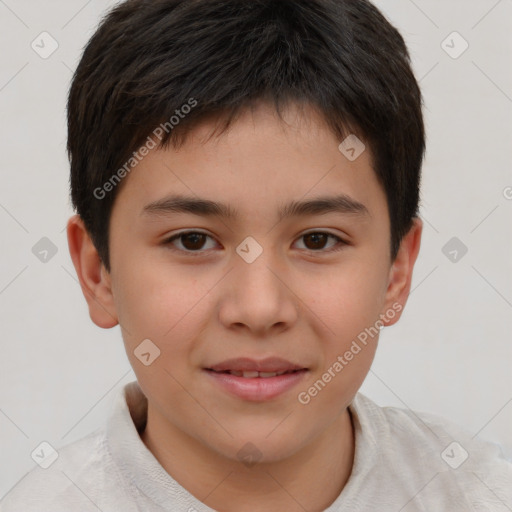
262	448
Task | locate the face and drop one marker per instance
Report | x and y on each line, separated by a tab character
257	284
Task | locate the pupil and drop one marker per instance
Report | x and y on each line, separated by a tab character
316	237
196	238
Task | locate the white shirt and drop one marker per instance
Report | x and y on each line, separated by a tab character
398	467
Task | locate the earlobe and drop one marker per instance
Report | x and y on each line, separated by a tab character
400	274
92	275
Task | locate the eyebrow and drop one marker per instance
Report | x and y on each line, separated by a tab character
204	207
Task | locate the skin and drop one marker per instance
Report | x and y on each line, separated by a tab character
297	300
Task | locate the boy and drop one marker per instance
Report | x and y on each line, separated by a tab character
284	138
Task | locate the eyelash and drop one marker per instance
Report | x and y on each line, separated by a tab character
338	247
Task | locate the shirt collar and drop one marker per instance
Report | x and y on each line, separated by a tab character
135	461
143	470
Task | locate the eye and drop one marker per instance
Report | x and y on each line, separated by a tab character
191	241
316	241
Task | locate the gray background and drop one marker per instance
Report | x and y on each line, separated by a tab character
450	354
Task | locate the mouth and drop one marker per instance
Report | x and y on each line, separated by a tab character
256	381
255	374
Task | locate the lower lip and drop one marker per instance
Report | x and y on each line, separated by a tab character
257	389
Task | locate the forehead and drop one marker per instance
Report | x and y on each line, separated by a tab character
261	163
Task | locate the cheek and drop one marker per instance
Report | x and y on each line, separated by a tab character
160	302
349	303
346	299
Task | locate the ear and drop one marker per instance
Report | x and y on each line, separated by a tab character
92	275
400	274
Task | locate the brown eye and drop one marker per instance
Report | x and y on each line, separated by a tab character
191	242
316	242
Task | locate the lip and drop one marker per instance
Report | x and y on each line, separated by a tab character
256	389
269	364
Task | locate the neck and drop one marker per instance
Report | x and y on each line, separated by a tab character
311	479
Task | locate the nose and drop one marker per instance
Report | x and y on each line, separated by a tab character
257	298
